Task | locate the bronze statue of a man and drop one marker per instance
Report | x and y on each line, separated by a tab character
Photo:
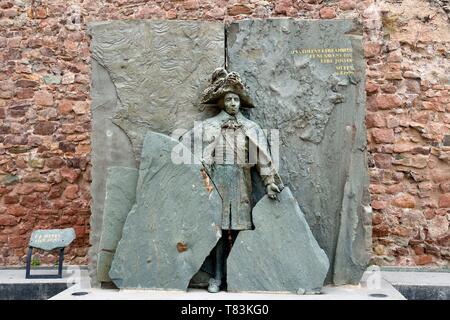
232	145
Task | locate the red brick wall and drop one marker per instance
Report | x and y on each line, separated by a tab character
45	116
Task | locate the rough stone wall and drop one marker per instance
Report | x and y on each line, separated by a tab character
45	114
409	132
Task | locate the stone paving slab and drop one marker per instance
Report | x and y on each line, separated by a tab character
14	275
363	291
372	283
347	292
417	278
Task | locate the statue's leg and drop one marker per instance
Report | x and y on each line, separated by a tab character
219	257
231	238
221	252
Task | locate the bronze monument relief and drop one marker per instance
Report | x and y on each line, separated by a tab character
157	222
232	145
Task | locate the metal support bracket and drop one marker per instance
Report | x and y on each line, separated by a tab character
28	274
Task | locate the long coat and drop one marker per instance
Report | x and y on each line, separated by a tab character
231	146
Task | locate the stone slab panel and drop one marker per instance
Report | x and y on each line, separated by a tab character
120	197
146	75
110	147
280	255
173	226
307	78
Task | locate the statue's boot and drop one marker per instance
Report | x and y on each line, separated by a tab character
214	285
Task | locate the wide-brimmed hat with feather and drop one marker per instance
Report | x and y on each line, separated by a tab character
221	83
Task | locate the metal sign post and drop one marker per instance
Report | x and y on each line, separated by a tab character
48	240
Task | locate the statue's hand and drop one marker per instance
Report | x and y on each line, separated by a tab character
272	190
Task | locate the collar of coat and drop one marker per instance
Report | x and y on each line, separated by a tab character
223	118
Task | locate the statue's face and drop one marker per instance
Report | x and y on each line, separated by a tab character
231	103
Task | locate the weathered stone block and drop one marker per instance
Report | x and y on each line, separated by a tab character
444	200
45	128
383	135
388	101
404	201
43	98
